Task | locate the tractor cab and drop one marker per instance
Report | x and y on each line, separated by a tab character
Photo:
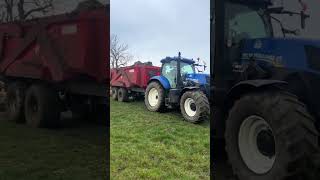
233	22
187	76
243	36
170	69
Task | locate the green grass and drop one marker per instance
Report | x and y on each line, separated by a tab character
71	153
148	145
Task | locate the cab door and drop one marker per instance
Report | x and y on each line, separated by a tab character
169	71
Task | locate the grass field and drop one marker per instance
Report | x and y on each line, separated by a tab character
147	145
77	152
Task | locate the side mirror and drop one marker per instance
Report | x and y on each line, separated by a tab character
303	19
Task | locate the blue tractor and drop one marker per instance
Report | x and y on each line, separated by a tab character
265	101
180	85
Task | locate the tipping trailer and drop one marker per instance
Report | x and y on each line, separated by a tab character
131	81
54	64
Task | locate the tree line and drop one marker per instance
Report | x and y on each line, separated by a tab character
20	10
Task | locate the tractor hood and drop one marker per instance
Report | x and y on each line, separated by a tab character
201	79
300	54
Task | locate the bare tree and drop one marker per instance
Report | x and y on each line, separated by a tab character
7	10
119	55
11	10
34	6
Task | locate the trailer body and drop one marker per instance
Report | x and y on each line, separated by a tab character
65	54
59	49
132	79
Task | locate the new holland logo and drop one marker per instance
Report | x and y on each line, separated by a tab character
258	44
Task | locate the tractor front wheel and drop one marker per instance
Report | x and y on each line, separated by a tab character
154	97
271	135
195	106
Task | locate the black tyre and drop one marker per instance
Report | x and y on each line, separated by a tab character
194	106
123	95
114	93
154	97
15	102
42	107
271	136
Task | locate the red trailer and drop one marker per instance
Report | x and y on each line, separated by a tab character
131	81
54	64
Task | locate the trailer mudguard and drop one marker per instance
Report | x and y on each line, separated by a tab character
162	80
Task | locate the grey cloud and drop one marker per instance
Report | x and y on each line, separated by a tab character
159	28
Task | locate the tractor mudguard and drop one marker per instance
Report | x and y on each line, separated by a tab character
189	89
236	92
162	80
251	85
185	89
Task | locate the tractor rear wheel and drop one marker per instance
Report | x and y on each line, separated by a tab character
194	106
114	93
154	97
42	107
123	95
271	135
15	102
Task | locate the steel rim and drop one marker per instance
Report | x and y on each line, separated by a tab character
190	107
153	97
256	144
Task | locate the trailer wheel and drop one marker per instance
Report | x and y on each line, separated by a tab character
154	97
271	136
114	93
15	102
42	107
123	95
194	106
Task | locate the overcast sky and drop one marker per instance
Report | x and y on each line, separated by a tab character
155	29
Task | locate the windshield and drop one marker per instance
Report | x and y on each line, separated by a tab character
243	22
186	68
